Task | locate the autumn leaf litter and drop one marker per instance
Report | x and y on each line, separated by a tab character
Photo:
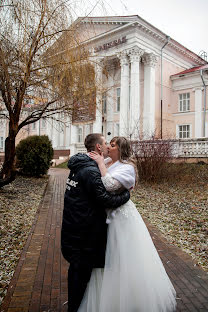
179	209
19	203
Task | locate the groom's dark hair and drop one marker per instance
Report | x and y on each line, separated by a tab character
91	140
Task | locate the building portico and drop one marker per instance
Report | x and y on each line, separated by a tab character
131	117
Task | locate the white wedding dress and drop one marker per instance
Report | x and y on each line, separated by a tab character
134	278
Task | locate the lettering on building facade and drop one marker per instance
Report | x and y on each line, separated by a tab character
111	44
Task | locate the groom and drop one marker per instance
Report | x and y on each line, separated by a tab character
84	228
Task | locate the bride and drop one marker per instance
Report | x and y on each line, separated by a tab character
134	278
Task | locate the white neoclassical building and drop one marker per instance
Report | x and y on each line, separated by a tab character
147	83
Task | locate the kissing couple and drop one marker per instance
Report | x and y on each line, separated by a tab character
114	265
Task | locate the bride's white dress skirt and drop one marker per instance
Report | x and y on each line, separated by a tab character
134	278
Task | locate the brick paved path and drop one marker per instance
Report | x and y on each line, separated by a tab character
40	279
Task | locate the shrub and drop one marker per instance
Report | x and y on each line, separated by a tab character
151	157
34	155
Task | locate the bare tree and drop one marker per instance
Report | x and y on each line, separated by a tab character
151	156
40	59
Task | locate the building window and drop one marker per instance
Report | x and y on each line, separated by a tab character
33	125
87	130
184	102
80	135
129	96
117	128
31	101
118	99
104	103
43	123
184	131
1	142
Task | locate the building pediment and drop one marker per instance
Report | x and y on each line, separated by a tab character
88	28
99	29
107	20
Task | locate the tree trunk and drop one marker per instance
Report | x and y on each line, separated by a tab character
8	172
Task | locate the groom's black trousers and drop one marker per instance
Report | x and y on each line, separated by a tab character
78	277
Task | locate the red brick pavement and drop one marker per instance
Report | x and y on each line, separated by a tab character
40	279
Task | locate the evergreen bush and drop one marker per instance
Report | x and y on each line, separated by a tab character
34	155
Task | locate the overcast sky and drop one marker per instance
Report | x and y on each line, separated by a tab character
183	20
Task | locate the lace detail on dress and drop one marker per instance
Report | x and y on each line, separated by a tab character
127	211
111	184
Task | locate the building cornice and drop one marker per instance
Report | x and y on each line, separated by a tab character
187	81
147	29
187	86
172	44
106	19
178	77
187	75
186	113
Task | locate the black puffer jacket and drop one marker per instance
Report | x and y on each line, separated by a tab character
84	229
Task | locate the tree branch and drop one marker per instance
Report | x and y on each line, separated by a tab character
4	116
32	117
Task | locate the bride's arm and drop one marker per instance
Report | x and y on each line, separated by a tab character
109	182
100	161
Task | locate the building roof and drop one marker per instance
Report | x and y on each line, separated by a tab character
191	70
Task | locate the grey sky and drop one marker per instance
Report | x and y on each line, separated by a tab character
184	20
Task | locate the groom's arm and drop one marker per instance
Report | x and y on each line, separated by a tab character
96	190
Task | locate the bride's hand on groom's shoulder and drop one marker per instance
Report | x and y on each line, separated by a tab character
97	157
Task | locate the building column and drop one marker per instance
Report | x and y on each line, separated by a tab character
97	124
134	105
50	130
61	135
38	127
86	130
110	109
67	132
150	62
124	97
56	133
73	139
198	112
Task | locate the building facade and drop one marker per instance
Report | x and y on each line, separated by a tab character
147	84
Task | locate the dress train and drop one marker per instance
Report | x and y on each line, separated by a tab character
134	278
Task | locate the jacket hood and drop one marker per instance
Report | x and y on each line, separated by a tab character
78	161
